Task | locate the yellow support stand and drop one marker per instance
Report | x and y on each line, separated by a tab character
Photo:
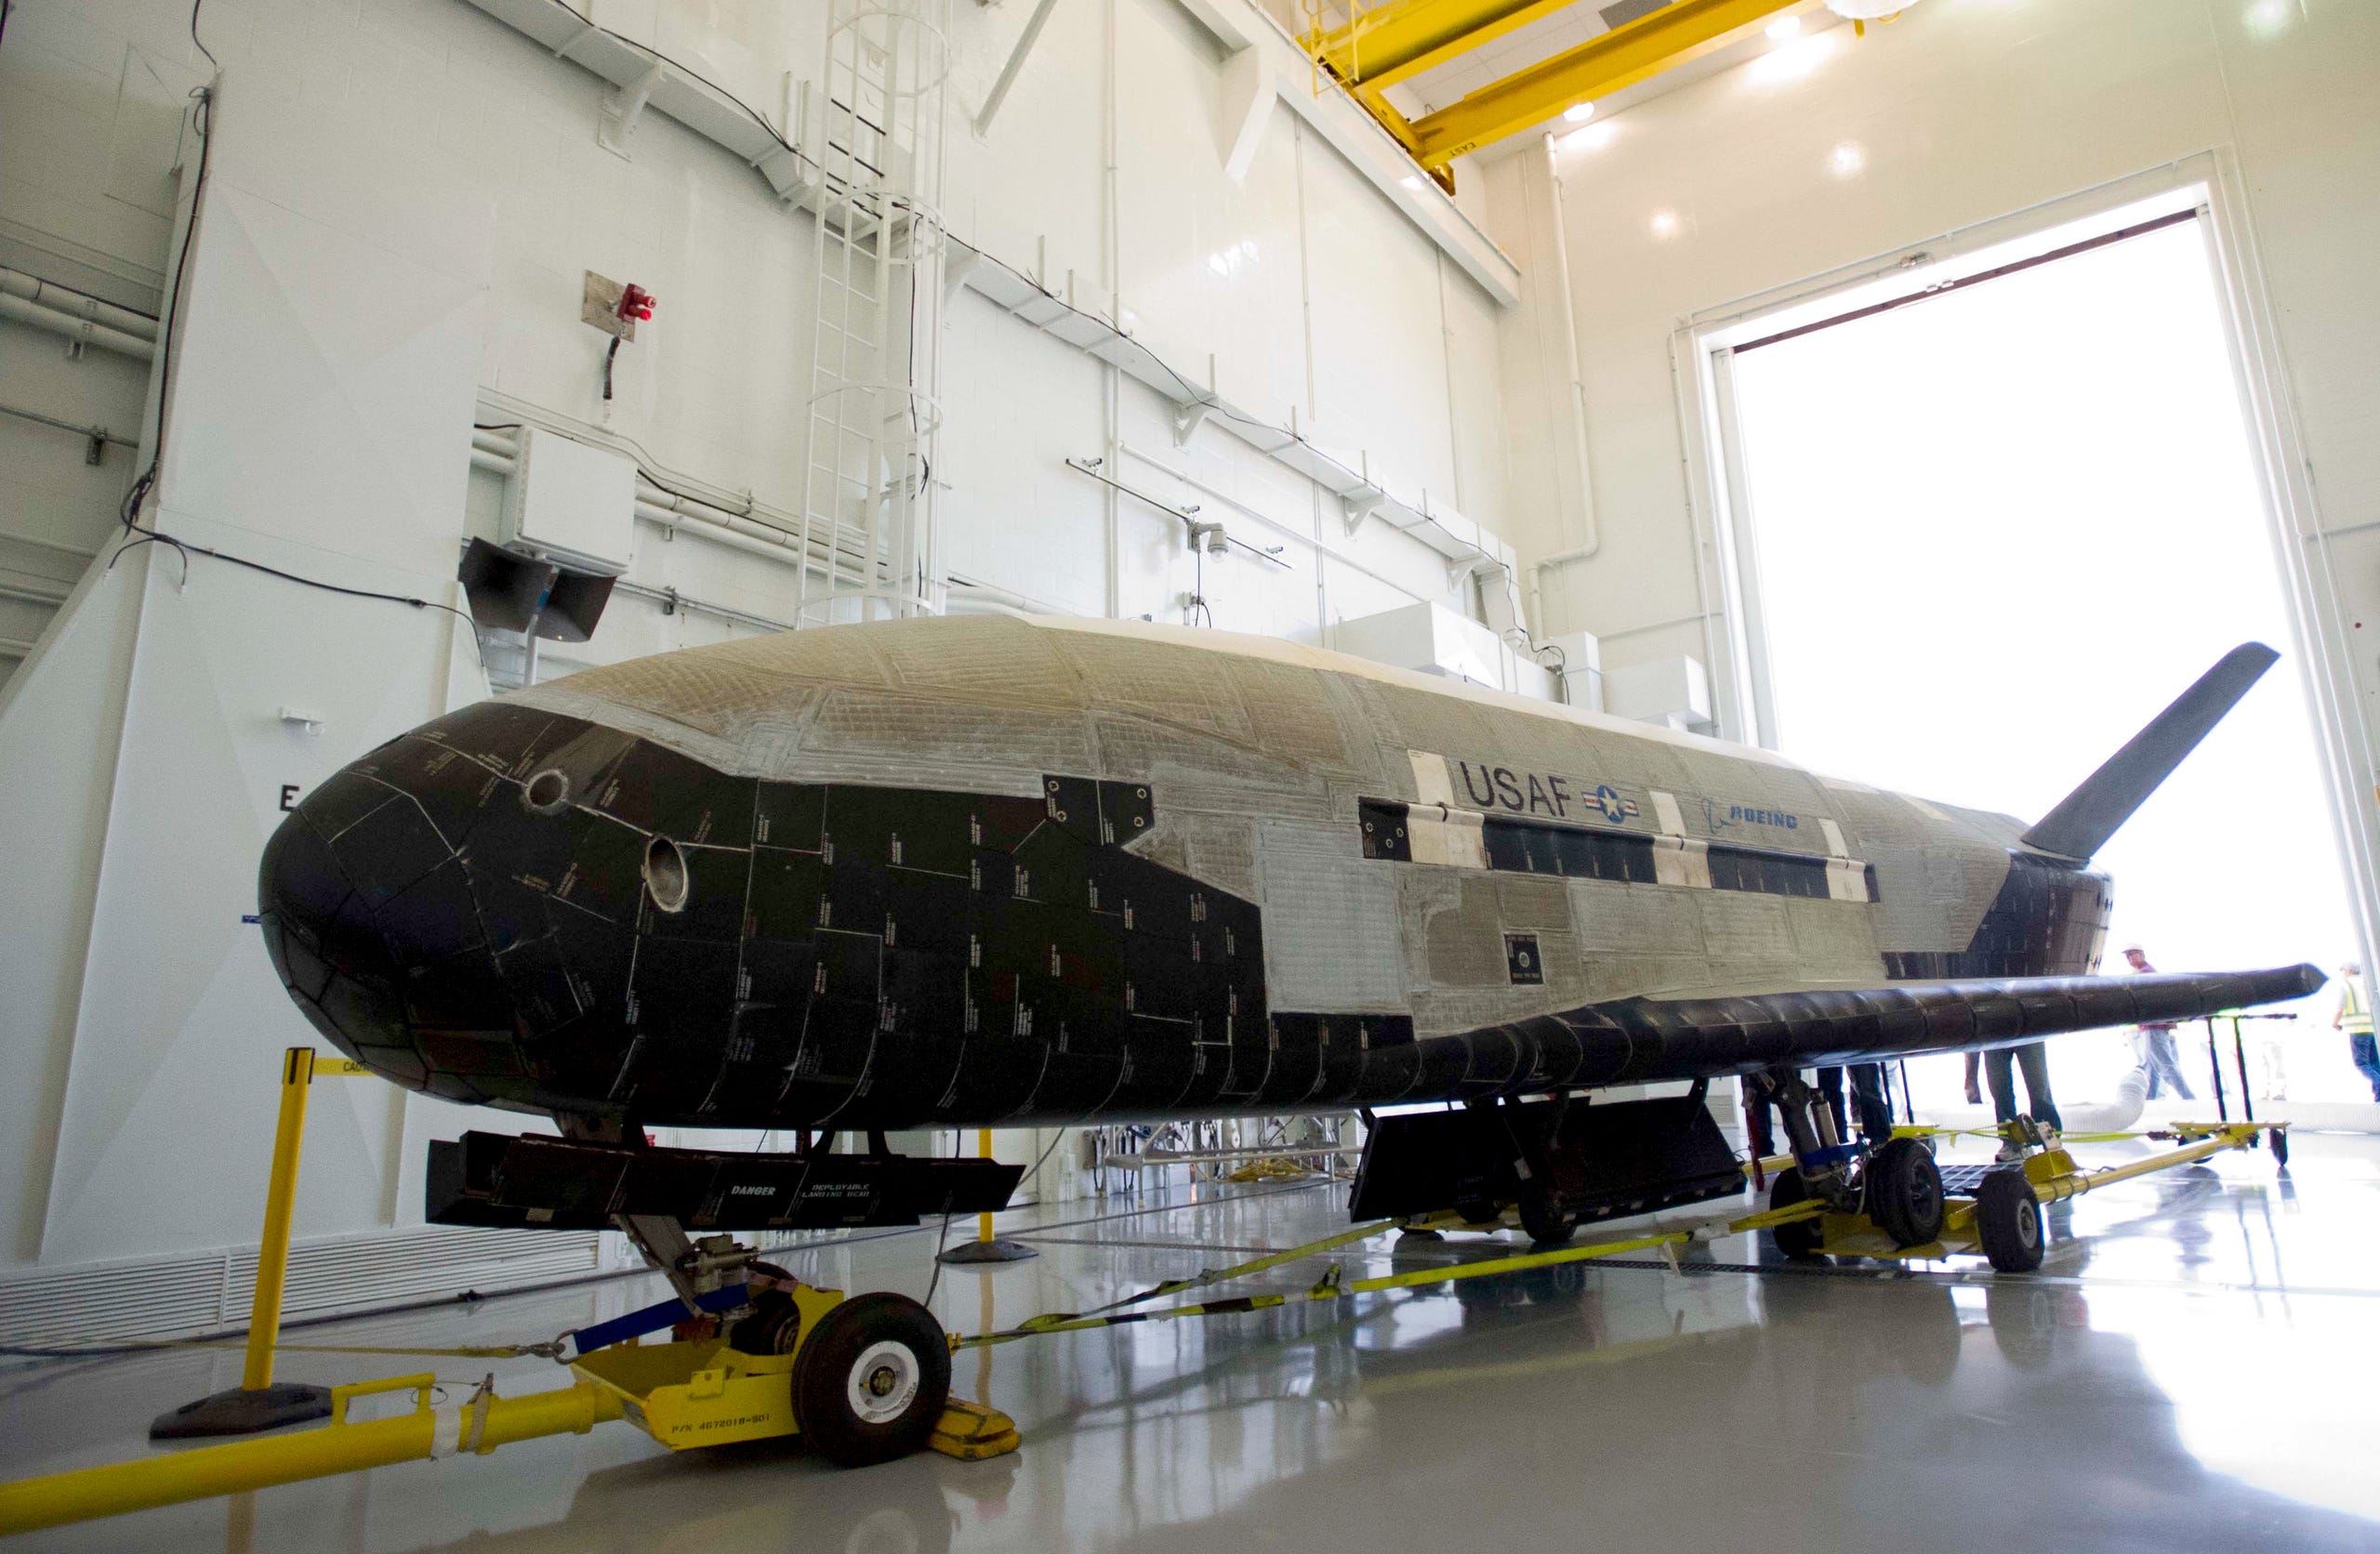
257	1404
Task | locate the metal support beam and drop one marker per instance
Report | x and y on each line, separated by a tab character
1387	43
1024	42
1670	36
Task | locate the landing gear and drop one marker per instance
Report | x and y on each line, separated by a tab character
2008	1220
1904	1193
1822	1163
1542	1218
774	1326
1798	1239
871	1381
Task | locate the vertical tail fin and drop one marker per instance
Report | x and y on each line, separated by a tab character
2087	817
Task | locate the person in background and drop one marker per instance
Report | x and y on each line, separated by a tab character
2353	1017
2034	1057
1974	1079
2157	1040
1873	1107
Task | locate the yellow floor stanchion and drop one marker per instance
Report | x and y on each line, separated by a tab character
258	1404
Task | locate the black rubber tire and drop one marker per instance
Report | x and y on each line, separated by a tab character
1479	1213
824	1375
1905	1193
2008	1218
1802	1238
1543	1222
2279	1137
774	1326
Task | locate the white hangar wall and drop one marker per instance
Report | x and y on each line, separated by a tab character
400	199
1968	110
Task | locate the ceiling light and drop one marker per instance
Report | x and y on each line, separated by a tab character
1664	224
2267	17
1867	10
1847	158
1578	112
1782	28
1411	181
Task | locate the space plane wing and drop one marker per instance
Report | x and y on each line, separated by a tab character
1641	1040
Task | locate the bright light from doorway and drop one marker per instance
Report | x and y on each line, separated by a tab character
1998	531
1594	138
2266	18
1792	59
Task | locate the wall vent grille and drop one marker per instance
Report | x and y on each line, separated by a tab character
208	1292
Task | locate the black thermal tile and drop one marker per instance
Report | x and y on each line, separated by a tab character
453	789
659	790
342	798
856	896
545	999
1126	813
925	993
927	912
1053	866
790	815
1073	803
1386	831
785	894
432	918
715	900
389	849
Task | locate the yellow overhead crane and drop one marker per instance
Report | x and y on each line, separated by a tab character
1386	44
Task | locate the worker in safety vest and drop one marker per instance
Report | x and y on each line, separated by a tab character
2353	1017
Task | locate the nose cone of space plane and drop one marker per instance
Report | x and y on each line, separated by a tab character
457	910
352	914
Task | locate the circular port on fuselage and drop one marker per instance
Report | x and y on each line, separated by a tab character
665	873
547	793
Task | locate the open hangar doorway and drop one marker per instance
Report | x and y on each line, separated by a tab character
1978	525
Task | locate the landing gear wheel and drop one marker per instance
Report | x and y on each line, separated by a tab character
1905	1193
2008	1218
871	1380
1542	1218
774	1326
1479	1213
1798	1239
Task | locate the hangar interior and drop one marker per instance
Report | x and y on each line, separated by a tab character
361	360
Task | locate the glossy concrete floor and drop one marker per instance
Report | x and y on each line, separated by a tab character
2193	1368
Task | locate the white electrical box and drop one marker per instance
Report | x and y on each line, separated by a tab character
1429	637
572	502
1582	665
1673	690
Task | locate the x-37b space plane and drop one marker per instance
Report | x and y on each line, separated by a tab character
997	871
